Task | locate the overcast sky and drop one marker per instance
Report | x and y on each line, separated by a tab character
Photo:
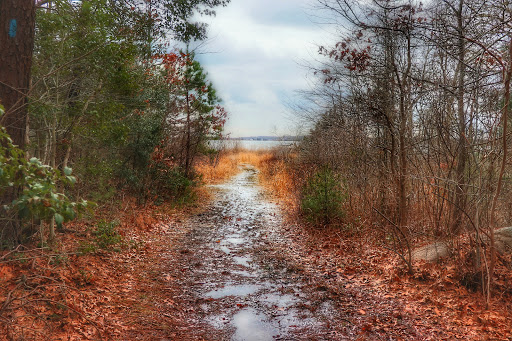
255	51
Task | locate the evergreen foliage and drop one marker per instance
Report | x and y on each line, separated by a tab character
323	197
124	113
103	102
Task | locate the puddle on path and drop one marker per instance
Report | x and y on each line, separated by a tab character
280	301
235	240
243	294
233	290
253	326
244	261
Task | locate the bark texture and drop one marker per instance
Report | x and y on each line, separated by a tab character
17	25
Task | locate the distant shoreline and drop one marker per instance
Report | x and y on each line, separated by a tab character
266	138
250	144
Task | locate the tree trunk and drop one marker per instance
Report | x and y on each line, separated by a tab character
17	26
460	189
507	77
188	137
17	22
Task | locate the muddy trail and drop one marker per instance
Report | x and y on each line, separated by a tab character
238	280
235	271
236	286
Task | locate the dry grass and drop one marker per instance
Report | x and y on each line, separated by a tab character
276	176
280	181
227	164
275	173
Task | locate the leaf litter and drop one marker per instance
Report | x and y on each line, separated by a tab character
293	283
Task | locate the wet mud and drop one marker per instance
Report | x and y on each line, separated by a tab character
232	276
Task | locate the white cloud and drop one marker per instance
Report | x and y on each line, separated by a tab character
258	46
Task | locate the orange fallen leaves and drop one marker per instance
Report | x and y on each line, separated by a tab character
108	295
6	273
355	261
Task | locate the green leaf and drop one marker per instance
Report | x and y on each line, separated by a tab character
58	219
24	212
67	171
70	213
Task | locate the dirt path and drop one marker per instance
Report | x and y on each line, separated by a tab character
236	286
234	272
241	274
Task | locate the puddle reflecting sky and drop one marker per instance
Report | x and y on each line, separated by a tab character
252	326
233	290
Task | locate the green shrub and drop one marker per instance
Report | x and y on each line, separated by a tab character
87	247
323	197
34	191
106	235
172	184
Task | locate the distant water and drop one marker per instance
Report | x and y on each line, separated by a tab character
250	144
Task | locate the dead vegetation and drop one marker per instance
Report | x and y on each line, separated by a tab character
111	280
228	162
358	250
92	286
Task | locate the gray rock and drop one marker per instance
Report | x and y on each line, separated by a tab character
503	239
431	252
435	251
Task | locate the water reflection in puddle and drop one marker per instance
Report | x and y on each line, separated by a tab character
244	273
282	301
225	249
235	240
252	326
233	290
244	261
255	308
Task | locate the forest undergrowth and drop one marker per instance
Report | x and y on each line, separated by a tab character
103	280
106	277
351	248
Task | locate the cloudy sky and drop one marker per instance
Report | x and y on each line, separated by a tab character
254	57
